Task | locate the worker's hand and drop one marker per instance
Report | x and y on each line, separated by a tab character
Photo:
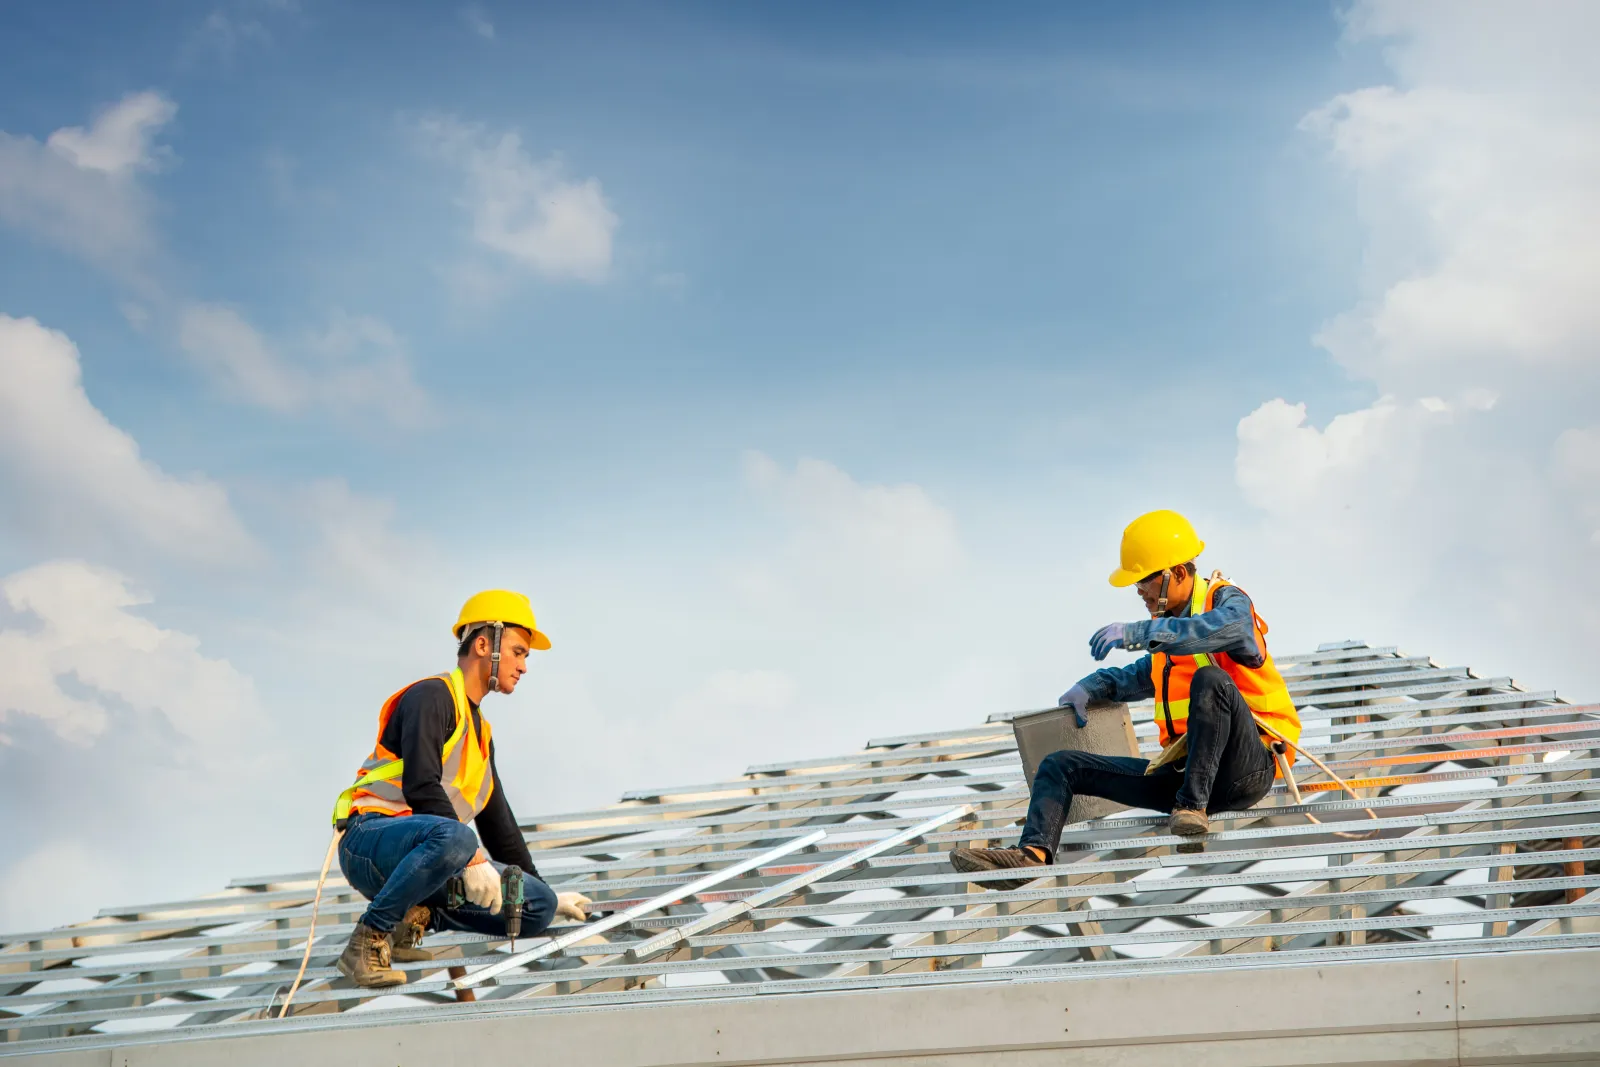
1076	698
483	886
574	906
1105	639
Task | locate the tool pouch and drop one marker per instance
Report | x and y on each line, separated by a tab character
1174	753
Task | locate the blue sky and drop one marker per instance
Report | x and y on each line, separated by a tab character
802	362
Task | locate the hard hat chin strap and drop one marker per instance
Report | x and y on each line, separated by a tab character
499	629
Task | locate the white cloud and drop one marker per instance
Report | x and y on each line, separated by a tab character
239	359
143	721
846	542
1455	507
114	658
357	550
477	21
523	209
236	22
357	362
79	189
120	139
75	475
1477	176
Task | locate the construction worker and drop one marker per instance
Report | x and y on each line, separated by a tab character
431	772
1213	682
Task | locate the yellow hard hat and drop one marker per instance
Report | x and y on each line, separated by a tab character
1153	542
500	605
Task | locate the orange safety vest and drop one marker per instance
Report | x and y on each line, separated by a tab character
1262	687
467	776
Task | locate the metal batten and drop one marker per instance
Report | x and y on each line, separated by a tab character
556	944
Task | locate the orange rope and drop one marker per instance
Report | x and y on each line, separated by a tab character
1445	755
1294	790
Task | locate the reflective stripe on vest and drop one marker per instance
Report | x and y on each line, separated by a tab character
1262	687
466	774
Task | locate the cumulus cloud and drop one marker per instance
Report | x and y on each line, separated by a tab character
76	478
113	658
1476	174
525	210
356	363
79	189
151	731
120	138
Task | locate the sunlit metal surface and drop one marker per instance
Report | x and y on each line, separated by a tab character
1486	839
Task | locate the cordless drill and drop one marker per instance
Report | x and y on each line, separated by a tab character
511	901
455	895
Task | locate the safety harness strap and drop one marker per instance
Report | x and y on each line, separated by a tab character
381	773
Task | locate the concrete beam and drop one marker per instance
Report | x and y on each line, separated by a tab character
1489	1009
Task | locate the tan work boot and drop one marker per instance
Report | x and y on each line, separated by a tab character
973	860
405	940
1187	822
365	960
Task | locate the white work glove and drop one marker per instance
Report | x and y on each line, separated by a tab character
483	885
574	906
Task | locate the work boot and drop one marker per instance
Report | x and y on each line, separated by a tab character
365	960
973	860
405	940
1187	822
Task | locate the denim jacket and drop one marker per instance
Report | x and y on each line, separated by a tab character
1227	627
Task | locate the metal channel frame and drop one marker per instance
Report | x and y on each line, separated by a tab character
913	920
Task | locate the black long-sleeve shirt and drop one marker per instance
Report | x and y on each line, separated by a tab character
422	722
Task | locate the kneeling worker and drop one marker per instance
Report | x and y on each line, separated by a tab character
432	771
1212	680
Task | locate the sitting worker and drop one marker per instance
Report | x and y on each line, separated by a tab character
433	771
1214	685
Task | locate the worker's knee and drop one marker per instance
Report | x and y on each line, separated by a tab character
538	905
1209	691
459	844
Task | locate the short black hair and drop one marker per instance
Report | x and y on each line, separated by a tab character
475	629
1190	567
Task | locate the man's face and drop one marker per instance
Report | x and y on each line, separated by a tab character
514	649
1179	588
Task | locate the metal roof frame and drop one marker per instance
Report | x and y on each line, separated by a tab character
831	873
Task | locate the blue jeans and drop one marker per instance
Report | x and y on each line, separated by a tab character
396	861
1227	767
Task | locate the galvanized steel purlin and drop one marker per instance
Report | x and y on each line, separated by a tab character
556	944
1526	825
879	771
789	888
